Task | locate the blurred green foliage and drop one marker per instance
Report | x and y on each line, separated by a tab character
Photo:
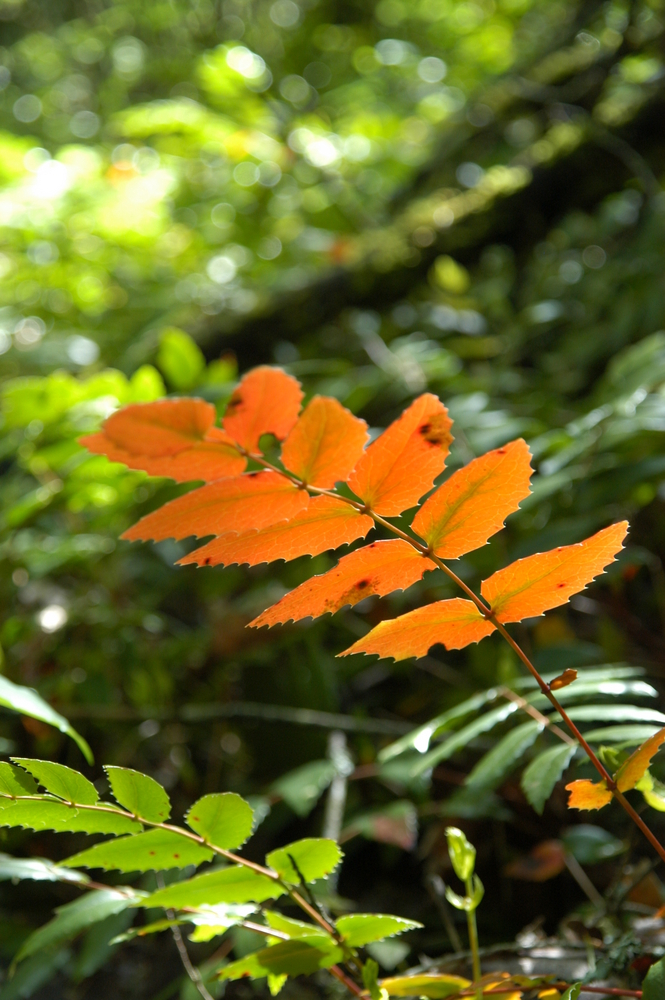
385	198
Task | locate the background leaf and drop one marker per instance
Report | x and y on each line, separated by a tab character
542	774
26	701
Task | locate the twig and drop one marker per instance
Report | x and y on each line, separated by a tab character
190	969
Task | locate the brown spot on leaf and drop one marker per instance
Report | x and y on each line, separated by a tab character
234	402
362	584
559	585
436	431
176	855
151	853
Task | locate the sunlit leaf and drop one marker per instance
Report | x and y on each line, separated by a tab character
473	504
175	438
139	794
26	701
15	781
50	814
359	929
585	794
531	586
402	464
37	870
378	568
542	774
313	858
433	985
221	818
60	780
236	884
632	769
325	444
454	624
155	850
291	958
243	503
267	401
326	524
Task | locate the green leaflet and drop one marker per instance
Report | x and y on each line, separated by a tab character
584	687
653	987
223	819
60	780
224	885
628	735
359	929
434	986
180	359
460	739
542	774
302	788
419	739
139	794
315	858
26	701
214	920
290	958
51	814
573	992
15	781
156	850
77	916
294	928
37	869
492	768
612	713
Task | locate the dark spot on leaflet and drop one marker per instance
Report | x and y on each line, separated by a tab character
176	855
206	562
361	584
501	451
196	818
559	585
151	853
252	475
436	431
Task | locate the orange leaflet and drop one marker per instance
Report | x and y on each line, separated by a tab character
531	586
454	624
378	568
253	500
171	437
584	794
473	504
326	524
633	769
267	401
404	461
325	444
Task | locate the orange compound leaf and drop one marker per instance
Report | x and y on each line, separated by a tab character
325	444
404	461
326	524
584	794
531	586
378	568
473	504
171	437
267	401
253	500
454	624
634	768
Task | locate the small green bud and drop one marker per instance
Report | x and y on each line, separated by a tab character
462	853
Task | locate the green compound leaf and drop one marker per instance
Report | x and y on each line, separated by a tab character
435	986
236	884
653	987
288	958
60	780
14	781
463	736
77	916
359	929
315	858
223	819
37	869
26	701
156	850
139	794
490	771
542	774
627	735
50	814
